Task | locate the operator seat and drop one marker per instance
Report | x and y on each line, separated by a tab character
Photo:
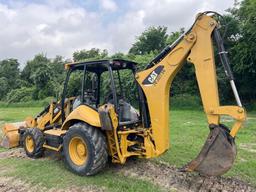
127	113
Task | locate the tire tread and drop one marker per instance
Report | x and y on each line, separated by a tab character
98	142
38	139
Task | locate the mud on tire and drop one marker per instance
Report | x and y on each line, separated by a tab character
96	146
38	140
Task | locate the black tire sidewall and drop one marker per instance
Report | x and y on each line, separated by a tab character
38	145
76	131
30	154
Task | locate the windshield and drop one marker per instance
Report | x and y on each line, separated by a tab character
83	85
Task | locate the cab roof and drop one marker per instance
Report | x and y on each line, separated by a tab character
99	66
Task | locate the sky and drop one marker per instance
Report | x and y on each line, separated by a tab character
60	27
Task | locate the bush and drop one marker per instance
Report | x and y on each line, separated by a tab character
250	106
20	95
4	88
32	103
185	101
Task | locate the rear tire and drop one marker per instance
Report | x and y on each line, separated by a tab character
85	149
33	140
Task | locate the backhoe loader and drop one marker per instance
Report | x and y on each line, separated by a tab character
94	119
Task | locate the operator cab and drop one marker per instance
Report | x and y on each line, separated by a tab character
95	83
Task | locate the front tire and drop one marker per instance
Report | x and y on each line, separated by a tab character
84	149
33	141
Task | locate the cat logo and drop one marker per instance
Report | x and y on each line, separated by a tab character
153	76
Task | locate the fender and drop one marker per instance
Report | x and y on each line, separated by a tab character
82	113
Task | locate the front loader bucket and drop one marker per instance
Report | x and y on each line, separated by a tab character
217	155
11	136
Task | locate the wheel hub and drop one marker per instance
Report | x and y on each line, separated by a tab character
78	151
81	149
29	144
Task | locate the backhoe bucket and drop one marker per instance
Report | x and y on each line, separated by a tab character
11	135
217	155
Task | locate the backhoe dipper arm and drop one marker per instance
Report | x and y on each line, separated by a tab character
196	47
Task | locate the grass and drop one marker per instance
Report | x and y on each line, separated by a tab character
188	131
52	173
13	114
34	103
3	149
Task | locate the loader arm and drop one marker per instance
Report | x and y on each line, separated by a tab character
196	46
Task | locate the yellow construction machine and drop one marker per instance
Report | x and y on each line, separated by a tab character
94	119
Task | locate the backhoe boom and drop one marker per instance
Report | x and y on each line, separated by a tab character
196	46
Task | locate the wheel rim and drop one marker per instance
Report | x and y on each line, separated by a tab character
29	144
77	151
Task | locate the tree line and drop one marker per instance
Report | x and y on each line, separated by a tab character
43	77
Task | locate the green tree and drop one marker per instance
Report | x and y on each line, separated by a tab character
93	53
58	76
57	66
46	75
3	87
242	44
153	39
119	55
174	35
142	60
20	95
9	68
28	73
9	76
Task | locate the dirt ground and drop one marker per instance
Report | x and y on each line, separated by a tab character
165	176
169	178
12	184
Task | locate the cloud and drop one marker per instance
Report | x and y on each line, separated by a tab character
108	5
33	28
176	13
124	31
62	27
